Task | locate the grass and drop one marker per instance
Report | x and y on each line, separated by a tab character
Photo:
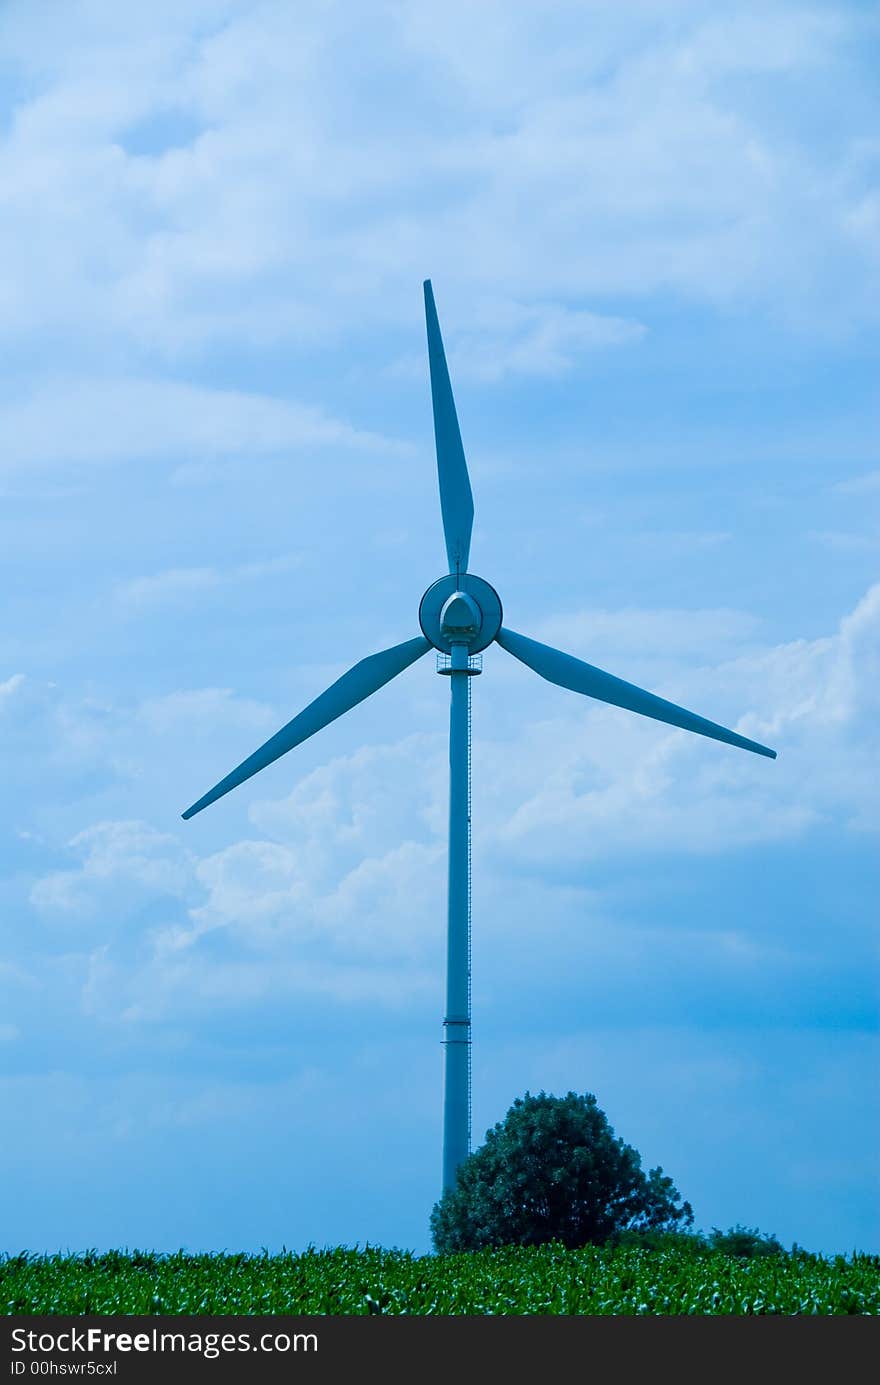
515	1280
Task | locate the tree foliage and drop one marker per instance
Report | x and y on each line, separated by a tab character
744	1241
553	1170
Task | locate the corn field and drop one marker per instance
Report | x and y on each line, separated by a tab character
516	1280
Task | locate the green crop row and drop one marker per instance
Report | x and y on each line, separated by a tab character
543	1279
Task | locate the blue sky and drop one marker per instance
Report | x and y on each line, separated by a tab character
653	235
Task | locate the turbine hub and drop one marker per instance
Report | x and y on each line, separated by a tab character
460	610
460	618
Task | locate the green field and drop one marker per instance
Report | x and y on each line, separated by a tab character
544	1279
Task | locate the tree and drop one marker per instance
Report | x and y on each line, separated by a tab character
746	1241
554	1170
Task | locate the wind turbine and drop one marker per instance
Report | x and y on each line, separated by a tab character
460	616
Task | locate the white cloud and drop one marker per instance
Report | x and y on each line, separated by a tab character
650	634
843	541
202	712
87	422
269	896
351	849
596	780
364	797
552	158
341	860
354	838
506	338
175	585
866	484
336	894
10	687
177	982
123	863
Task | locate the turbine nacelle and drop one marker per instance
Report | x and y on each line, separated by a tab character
460	609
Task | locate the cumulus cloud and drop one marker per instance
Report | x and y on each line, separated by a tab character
122	863
506	338
606	781
585	777
176	585
866	484
201	712
170	985
651	635
334	892
10	687
89	422
247	176
352	849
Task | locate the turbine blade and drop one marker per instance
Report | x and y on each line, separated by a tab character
580	677
359	682
456	500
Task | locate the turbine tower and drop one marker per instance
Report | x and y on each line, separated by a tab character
460	615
